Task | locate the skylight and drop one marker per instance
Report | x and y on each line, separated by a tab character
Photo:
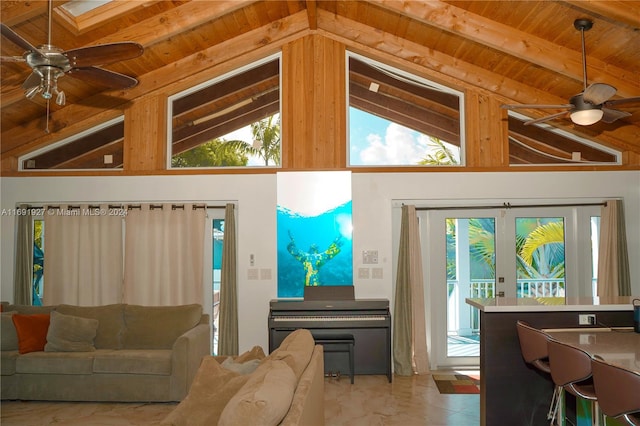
79	7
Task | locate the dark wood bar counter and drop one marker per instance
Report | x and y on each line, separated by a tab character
511	392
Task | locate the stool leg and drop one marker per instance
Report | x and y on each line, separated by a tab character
351	372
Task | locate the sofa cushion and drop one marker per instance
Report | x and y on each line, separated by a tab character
264	399
8	335
31	331
158	327
68	333
55	363
8	362
133	361
211	390
110	322
295	350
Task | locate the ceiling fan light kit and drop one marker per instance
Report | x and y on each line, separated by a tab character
586	117
585	113
590	106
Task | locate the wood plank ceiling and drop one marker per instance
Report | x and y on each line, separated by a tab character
522	51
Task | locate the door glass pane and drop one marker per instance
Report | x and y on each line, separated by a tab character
38	262
540	260
595	243
470	273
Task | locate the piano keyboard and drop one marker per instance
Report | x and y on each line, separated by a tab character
329	318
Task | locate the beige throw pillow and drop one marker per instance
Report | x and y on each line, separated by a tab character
246	367
264	400
212	388
295	350
70	334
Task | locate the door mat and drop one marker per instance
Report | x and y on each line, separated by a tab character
457	383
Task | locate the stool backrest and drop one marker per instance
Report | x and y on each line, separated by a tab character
533	345
617	389
568	364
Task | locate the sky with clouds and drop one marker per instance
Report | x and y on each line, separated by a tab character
373	142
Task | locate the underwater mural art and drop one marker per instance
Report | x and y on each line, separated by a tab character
314	226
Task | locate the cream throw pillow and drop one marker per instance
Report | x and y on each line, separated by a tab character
70	334
264	400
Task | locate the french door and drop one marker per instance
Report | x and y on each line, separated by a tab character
488	253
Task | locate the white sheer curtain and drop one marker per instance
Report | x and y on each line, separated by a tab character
83	256
164	246
613	261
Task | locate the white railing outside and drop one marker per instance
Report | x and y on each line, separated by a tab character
486	289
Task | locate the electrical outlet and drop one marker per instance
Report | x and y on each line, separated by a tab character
252	273
587	319
376	273
363	273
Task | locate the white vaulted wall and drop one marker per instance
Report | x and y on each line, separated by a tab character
373	219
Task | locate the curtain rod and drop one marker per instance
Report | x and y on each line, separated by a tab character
510	206
128	206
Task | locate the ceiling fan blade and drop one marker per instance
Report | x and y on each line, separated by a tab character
597	93
614	102
611	115
547	118
17	39
103	77
33	80
535	106
103	54
12	59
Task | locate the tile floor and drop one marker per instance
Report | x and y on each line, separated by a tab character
408	401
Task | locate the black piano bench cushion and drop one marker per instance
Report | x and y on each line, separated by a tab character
296	350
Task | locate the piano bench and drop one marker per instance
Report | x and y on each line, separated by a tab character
338	343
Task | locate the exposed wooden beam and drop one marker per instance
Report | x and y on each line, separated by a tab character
312	13
442	68
175	21
66	153
67	120
612	10
221	126
13	12
553	143
516	43
406	114
235	84
157	29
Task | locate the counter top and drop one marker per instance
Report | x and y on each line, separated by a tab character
553	304
617	346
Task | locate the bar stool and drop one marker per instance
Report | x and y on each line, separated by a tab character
571	369
338	343
533	345
617	390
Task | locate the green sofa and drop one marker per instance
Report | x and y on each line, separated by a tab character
139	353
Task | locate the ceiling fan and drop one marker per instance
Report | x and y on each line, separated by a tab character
590	106
49	63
